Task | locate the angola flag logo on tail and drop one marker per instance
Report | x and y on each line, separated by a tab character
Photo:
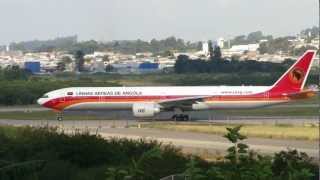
296	75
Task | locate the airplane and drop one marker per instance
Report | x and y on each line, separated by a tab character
146	102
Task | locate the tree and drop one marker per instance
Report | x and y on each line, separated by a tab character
61	66
168	54
66	59
263	48
21	169
275	45
301	50
239	40
79	57
217	53
14	73
105	58
292	165
137	170
239	150
60	43
211	53
215	173
193	170
116	174
109	68
199	46
255	37
181	64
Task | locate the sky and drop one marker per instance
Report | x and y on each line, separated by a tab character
194	20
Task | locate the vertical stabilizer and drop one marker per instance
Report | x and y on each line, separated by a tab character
295	78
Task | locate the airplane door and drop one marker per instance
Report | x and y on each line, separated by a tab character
266	97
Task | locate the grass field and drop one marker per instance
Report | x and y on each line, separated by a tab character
280	131
274	111
45	115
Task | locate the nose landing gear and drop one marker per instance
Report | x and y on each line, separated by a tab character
59	116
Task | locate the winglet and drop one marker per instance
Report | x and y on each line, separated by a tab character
295	78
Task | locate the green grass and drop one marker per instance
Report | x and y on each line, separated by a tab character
274	111
307	132
45	115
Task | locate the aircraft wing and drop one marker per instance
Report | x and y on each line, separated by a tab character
183	103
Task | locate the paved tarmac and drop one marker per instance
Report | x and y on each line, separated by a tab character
200	116
188	141
35	108
31	108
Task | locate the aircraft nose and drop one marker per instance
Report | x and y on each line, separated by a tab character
40	101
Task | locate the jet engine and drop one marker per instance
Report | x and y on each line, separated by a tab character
145	109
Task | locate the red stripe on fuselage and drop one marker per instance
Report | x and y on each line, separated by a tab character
63	102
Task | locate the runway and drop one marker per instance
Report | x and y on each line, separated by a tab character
31	108
199	116
188	141
35	108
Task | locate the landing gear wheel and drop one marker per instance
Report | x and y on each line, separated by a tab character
180	117
60	116
174	117
186	117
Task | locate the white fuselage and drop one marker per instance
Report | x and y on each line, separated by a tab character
121	98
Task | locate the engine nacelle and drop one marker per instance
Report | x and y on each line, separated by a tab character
145	109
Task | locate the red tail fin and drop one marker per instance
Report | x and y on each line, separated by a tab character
294	79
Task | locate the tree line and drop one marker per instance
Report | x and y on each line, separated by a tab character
216	64
71	45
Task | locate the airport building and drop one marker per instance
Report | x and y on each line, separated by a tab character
32	66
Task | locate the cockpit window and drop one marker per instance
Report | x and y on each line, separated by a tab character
45	96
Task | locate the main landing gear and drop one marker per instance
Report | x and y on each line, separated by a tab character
181	117
60	116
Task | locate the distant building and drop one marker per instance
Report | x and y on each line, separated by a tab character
263	41
220	42
8	48
315	42
125	68
148	65
32	66
239	50
248	47
205	48
98	66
